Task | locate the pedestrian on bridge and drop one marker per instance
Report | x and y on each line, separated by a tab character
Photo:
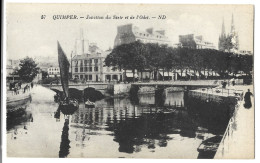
247	98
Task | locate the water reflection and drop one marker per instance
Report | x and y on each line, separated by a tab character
19	117
65	142
135	127
129	128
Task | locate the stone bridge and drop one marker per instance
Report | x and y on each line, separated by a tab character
112	88
184	84
104	88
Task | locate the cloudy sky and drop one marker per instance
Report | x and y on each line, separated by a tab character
29	35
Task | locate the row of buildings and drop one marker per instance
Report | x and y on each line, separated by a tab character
87	59
88	62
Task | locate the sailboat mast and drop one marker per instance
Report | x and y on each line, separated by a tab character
64	70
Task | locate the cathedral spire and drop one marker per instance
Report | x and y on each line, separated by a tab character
232	24
223	33
81	34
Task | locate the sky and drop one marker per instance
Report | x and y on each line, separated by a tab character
29	35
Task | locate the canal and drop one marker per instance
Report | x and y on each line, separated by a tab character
172	126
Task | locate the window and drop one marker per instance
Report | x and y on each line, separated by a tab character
86	69
108	77
81	62
114	77
81	76
90	77
81	69
96	60
96	68
86	77
85	62
76	63
76	69
90	69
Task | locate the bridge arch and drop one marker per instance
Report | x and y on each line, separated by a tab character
75	93
92	94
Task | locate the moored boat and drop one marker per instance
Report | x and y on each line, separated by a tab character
209	147
67	104
89	104
17	100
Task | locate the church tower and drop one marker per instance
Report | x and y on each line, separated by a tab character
229	42
222	38
233	37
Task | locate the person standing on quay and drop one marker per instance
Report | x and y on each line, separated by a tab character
247	99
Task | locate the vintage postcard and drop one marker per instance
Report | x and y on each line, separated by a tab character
129	81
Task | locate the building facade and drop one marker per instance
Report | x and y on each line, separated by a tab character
53	71
90	67
245	52
11	66
194	42
128	33
88	63
229	42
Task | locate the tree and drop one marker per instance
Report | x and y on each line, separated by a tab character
247	63
140	56
128	57
44	74
15	71
153	58
170	61
28	69
138	51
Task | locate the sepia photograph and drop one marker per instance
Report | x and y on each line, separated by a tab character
153	81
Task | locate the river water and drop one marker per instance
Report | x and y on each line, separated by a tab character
116	127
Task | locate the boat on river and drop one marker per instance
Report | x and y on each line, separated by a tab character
89	104
209	147
16	100
66	103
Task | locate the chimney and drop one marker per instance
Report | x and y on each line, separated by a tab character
149	30
162	32
199	37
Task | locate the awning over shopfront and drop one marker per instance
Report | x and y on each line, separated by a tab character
166	73
130	75
238	75
13	76
190	74
183	74
197	73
